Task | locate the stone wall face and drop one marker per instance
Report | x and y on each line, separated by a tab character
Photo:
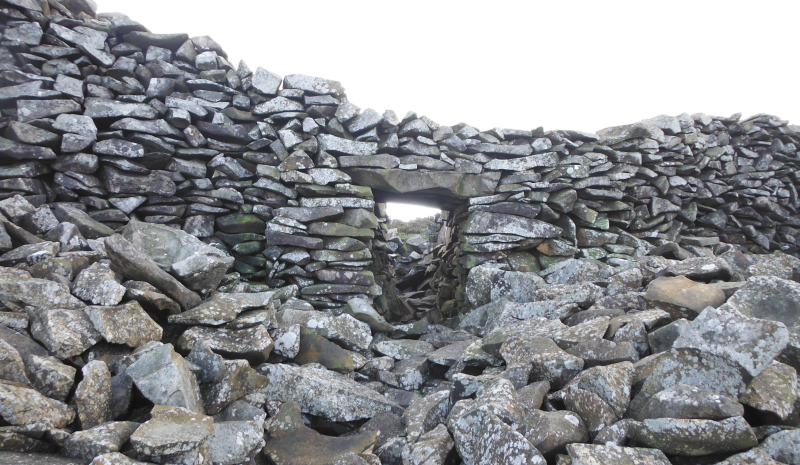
289	177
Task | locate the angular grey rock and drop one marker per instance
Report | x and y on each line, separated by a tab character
93	398
550	432
171	431
101	439
348	331
164	378
549	160
97	108
362	310
432	448
125	324
199	266
98	285
11	366
401	349
134	264
313	85
750	343
683	401
265	82
234	442
324	393
64	332
425	413
775	390
50	377
88	227
499	223
595	454
770	298
22	406
695	437
119	148
334	144
253	344
691	367
223	308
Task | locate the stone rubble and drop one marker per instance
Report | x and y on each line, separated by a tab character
197	267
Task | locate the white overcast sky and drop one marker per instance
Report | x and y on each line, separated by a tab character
581	65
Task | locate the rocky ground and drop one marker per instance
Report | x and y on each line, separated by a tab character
685	355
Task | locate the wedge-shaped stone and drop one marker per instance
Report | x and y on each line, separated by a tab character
19	286
164	378
21	406
253	344
98	285
223	308
64	332
102	439
324	393
344	329
133	263
171	430
749	343
125	324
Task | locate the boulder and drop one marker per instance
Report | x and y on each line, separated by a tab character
197	265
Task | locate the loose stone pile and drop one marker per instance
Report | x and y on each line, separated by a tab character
195	268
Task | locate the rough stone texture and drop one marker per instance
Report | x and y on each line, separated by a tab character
695	437
23	406
198	266
324	393
93	396
171	430
292	443
748	342
125	324
595	454
163	377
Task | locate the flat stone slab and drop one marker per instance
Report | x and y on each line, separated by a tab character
324	393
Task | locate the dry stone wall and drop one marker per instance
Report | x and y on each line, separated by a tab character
289	177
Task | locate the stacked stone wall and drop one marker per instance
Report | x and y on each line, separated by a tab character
289	177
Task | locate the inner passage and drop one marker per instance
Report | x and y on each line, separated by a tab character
414	237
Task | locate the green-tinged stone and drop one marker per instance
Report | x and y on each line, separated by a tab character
248	248
339	230
241	223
